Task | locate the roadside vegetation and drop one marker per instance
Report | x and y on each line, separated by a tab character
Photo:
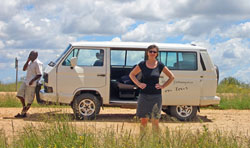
234	86
62	132
233	93
10	87
10	100
67	135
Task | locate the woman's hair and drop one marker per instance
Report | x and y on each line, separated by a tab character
152	47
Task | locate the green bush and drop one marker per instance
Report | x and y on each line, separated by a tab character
234	94
232	85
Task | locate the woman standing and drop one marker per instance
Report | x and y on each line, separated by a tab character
149	104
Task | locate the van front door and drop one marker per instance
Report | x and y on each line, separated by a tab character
185	90
88	74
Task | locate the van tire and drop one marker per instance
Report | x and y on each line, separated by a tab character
86	106
183	112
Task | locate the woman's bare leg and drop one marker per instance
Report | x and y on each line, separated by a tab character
144	122
143	127
155	124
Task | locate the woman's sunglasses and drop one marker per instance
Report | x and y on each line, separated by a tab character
152	51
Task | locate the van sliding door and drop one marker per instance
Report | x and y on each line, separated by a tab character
185	90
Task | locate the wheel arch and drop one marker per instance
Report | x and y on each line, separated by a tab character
90	91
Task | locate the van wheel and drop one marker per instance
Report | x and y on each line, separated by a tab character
183	112
86	106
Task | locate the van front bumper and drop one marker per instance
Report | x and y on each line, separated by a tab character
209	100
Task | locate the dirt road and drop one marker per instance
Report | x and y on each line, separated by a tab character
237	121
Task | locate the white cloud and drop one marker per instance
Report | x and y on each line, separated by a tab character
231	56
146	32
147	10
1	44
192	28
243	74
2	28
238	31
2	65
9	8
48	26
162	10
163	18
46	20
116	39
14	43
85	17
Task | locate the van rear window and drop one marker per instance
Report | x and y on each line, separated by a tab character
179	60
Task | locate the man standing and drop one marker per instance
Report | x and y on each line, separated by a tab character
26	92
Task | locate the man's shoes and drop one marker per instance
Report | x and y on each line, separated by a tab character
20	115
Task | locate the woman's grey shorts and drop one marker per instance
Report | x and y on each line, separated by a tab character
149	106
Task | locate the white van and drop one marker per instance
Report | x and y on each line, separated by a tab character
89	75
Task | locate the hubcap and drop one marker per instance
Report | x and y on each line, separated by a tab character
184	111
86	107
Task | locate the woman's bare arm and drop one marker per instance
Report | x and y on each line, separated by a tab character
170	75
132	76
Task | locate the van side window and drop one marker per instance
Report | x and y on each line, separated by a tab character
86	57
168	58
118	57
134	57
90	57
187	61
171	60
66	62
179	60
126	57
202	64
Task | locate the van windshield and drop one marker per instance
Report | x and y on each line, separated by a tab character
53	63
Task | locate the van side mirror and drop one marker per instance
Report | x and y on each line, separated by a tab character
73	62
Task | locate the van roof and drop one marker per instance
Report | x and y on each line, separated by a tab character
137	45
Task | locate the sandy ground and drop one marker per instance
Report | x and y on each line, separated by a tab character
237	121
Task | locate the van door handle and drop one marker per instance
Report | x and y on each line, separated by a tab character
101	75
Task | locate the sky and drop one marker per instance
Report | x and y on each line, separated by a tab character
48	26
